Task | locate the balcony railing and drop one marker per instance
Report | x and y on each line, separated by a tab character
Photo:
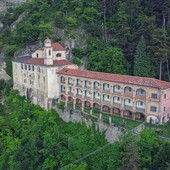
106	102
106	89
70	83
62	91
116	92
70	93
87	97
96	87
79	95
79	85
128	107
63	81
96	100
87	87
117	105
138	109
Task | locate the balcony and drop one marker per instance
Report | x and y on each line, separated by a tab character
96	87
128	107
79	85
70	93
87	87
117	105
116	92
87	97
106	88
97	100
79	95
70	83
62	81
106	102
139	109
63	91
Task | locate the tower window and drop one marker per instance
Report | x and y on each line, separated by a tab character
58	55
37	55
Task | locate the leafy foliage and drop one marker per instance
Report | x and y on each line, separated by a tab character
32	138
142	62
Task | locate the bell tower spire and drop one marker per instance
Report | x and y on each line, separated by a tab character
48	58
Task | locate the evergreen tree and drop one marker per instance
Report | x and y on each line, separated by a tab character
130	160
142	61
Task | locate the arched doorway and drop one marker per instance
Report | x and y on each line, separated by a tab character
140	116
127	114
63	98
87	104
106	109
116	111
78	102
96	108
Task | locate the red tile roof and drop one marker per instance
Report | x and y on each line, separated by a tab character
57	47
40	61
135	80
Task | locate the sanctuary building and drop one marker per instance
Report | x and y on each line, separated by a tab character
48	76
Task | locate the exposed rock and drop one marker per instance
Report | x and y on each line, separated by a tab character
71	39
3	74
14	24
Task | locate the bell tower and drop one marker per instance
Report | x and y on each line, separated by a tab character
48	58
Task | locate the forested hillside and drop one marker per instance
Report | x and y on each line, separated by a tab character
115	29
34	139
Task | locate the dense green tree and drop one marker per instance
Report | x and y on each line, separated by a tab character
162	157
110	60
148	147
142	62
130	160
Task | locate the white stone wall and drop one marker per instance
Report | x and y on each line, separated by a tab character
40	54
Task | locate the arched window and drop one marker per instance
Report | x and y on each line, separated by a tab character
128	90
141	92
58	55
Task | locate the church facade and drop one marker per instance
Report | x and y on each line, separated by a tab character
46	75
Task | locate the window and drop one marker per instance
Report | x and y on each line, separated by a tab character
29	67
32	68
153	109
118	99
49	52
107	97
25	67
154	95
21	66
164	96
142	91
164	108
37	55
44	79
129	101
58	55
141	103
